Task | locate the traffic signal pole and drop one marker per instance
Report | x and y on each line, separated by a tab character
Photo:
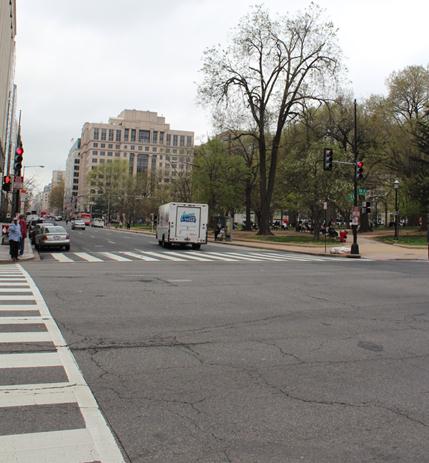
354	251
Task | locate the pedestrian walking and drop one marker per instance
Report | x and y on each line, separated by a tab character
14	239
23	225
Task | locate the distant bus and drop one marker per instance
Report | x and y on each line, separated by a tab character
86	217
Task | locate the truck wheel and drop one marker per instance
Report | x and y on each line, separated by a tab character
196	246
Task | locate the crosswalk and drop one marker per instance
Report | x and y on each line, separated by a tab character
47	411
185	256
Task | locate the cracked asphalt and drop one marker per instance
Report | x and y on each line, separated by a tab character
268	362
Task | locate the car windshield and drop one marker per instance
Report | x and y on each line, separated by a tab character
78	221
55	230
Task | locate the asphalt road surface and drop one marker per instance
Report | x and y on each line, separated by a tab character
268	359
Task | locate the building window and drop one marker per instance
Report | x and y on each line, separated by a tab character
188	141
182	140
126	134
174	151
133	134
102	153
126	147
95	145
94	152
96	134
144	136
168	139
101	161
131	163
161	138
118	135
132	147
140	148
110	153
168	150
146	148
75	181
94	160
154	149
117	155
111	134
102	145
175	140
110	146
77	161
142	162
103	134
155	137
153	164
118	147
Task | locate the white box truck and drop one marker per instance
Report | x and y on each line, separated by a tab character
182	223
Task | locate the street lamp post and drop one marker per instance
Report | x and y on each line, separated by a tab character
396	187
26	167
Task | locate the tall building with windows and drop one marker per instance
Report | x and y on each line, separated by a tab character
57	177
7	67
144	139
71	179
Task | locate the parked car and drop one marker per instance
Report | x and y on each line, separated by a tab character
99	223
58	218
51	236
78	224
32	227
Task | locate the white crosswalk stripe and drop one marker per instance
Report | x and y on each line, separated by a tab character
90	439
88	257
60	257
140	256
176	256
112	256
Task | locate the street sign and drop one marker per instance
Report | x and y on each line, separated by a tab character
325	205
18	182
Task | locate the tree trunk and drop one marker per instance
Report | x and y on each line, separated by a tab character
248	191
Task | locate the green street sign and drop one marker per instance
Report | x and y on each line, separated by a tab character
362	191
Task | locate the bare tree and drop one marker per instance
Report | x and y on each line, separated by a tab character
271	67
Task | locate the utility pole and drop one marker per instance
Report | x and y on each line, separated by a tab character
354	251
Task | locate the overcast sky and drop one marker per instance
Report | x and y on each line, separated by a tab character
87	60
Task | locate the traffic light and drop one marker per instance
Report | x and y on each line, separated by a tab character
328	158
359	170
7	182
18	159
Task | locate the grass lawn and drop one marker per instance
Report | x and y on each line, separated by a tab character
410	240
293	239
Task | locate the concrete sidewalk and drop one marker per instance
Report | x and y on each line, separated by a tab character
5	256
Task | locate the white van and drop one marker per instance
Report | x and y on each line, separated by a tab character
182	223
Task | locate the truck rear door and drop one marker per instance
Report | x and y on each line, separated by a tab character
188	222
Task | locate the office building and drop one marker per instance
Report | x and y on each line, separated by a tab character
142	138
71	179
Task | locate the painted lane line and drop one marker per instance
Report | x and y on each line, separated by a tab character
220	257
115	257
139	256
49	395
237	256
101	435
187	255
60	257
20	321
111	242
10	285
297	257
68	446
48	359
15	290
87	257
25	337
13	298
18	308
163	255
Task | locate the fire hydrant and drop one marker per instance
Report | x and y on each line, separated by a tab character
343	236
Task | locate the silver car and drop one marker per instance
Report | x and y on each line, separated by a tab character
78	224
51	236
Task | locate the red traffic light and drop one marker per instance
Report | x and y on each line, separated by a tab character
359	164
19	151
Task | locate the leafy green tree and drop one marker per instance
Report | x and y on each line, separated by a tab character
218	179
271	67
56	197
